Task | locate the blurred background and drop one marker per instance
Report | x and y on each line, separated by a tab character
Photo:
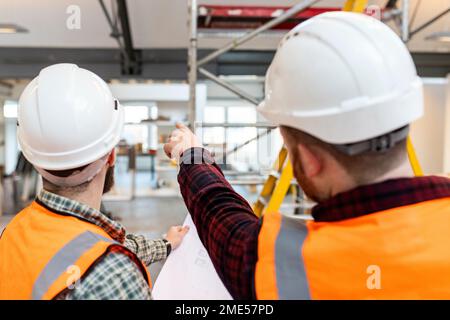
143	48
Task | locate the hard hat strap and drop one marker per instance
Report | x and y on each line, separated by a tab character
78	177
379	144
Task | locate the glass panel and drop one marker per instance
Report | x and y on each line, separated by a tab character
10	109
245	159
135	114
136	133
241	115
213	114
214	138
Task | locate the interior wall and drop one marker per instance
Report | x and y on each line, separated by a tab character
8	127
11	145
447	129
252	85
428	133
2	133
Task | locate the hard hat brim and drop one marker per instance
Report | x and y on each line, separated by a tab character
341	125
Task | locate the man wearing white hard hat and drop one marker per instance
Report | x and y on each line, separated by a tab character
343	89
62	246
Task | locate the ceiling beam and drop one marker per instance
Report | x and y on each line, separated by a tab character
5	85
131	65
130	57
166	64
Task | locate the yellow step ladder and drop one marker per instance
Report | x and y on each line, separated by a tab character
276	186
355	5
413	160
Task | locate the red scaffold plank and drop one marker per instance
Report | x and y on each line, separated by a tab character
241	17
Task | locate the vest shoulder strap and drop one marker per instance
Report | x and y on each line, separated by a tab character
47	252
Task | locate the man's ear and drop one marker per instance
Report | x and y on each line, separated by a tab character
112	158
310	160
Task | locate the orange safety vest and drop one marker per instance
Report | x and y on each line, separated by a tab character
42	253
400	253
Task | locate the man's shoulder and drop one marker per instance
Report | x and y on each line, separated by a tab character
114	276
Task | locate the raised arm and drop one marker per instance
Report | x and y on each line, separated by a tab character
225	222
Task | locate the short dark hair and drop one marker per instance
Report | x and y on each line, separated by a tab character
65	173
363	167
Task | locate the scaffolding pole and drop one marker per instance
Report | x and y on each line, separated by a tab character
405	21
242	94
192	62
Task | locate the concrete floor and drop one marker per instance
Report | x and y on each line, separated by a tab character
151	217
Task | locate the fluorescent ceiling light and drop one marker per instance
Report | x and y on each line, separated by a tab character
11	28
442	36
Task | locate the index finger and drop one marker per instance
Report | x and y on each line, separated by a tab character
180	125
184	230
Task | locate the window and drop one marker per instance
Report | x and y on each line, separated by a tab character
241	115
214	136
220	139
10	109
245	157
135	114
134	132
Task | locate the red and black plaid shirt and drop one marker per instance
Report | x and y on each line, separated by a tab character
229	229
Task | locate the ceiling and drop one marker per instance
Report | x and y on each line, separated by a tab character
160	24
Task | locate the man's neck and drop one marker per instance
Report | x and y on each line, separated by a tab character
88	197
91	195
346	183
402	171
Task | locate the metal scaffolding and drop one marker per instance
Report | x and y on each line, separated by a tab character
194	65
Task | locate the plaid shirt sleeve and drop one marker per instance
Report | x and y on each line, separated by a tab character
148	251
225	222
115	277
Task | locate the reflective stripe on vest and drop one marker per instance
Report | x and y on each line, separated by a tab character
290	270
65	257
280	271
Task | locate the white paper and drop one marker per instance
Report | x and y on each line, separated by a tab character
189	273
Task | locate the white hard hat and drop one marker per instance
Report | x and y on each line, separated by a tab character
68	118
344	78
